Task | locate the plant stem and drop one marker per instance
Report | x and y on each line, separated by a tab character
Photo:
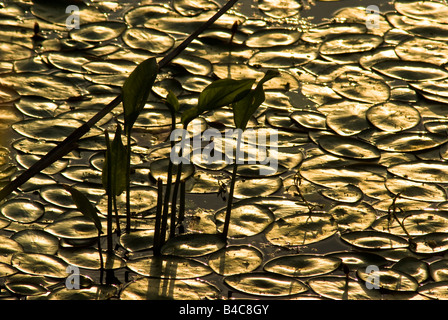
117	218
128	185
166	202
232	187
174	200
181	206
156	245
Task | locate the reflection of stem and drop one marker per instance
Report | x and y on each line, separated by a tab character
156	241
232	188
298	182
117	218
128	185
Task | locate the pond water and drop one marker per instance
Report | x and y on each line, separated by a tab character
360	112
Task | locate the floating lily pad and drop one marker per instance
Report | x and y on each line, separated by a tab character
159	170
193	245
435	290
137	240
245	188
36	241
89	258
280	10
168	267
348	194
309	119
13	51
439	270
347	117
433	11
393	116
353	217
317	34
302	265
356	260
419	49
40	264
245	220
22	210
265	284
38	84
389	279
350	43
204	182
51	129
342	288
301	229
295	56
410	141
152	40
150	289
56	12
6	270
142	199
414	267
410	70
422	171
235	260
194	64
73	228
98	32
26	288
272	37
433	242
416	190
112	66
348	147
8	248
374	240
95	292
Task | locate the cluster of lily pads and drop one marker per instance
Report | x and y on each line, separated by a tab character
361	180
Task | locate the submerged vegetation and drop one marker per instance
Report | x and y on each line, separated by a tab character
355	209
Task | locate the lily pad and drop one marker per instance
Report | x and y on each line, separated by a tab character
235	259
390	279
355	260
302	265
433	242
435	290
439	270
245	220
422	171
265	284
348	147
152	40
245	188
98	32
89	258
151	288
416	190
169	267
137	240
393	116
301	229
22	210
353	217
193	245
73	228
374	240
350	43
272	37
342	288
414	267
40	264
95	292
410	141
348	194
36	241
410	70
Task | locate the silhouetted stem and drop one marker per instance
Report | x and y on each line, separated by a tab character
156	244
174	200
128	185
181	204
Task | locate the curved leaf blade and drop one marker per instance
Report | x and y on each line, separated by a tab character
84	206
136	89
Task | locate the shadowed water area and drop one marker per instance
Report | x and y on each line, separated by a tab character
360	109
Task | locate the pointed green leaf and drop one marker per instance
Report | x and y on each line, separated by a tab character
171	102
245	108
136	89
84	206
116	159
219	93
